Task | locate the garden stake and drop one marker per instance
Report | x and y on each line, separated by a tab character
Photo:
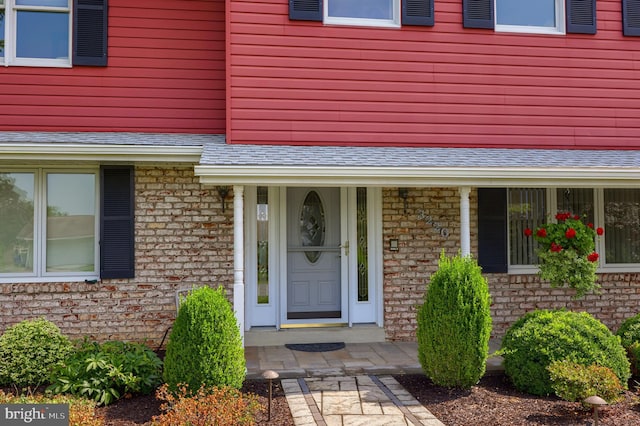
270	375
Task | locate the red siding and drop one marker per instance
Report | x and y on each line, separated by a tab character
298	82
166	73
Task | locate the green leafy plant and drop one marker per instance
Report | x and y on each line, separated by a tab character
541	337
566	252
629	333
223	406
30	350
574	382
81	411
205	346
106	372
454	324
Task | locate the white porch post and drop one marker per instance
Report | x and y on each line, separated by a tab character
238	256
465	227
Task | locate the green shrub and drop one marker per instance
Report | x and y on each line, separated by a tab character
454	324
629	331
30	350
205	346
106	372
575	382
81	411
215	406
541	337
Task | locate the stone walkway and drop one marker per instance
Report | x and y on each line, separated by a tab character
350	386
354	400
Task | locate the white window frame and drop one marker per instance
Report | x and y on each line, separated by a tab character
559	29
364	22
10	36
600	248
40	273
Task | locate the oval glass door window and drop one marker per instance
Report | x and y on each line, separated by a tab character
312	225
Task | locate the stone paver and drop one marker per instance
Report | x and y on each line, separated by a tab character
351	386
355	401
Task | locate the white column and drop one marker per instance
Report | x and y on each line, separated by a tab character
238	256
465	227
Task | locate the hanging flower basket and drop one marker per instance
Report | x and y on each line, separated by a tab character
567	253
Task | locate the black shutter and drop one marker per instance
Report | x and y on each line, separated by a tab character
581	16
477	13
417	12
116	222
306	10
492	229
631	17
90	32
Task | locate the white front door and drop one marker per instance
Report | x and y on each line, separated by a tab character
314	290
314	256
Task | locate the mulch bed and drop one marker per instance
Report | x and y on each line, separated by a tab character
495	402
139	410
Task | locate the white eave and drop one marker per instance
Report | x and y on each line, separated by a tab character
229	164
104	146
418	176
101	153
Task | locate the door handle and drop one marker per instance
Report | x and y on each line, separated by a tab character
345	246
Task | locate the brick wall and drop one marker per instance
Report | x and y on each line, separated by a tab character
430	223
182	239
419	231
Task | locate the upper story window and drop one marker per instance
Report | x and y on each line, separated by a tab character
36	32
531	16
362	12
377	13
53	33
540	16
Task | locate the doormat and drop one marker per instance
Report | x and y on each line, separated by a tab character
315	347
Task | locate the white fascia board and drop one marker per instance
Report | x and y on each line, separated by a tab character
417	176
100	152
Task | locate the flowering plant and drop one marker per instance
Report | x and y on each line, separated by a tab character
567	253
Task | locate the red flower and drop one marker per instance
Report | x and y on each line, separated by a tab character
571	233
590	225
528	232
556	247
599	231
541	233
576	217
593	257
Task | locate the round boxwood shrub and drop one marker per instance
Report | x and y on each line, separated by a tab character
543	336
629	333
205	346
30	351
454	324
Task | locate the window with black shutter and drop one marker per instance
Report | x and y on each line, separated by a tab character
117	222
413	12
534	17
90	32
